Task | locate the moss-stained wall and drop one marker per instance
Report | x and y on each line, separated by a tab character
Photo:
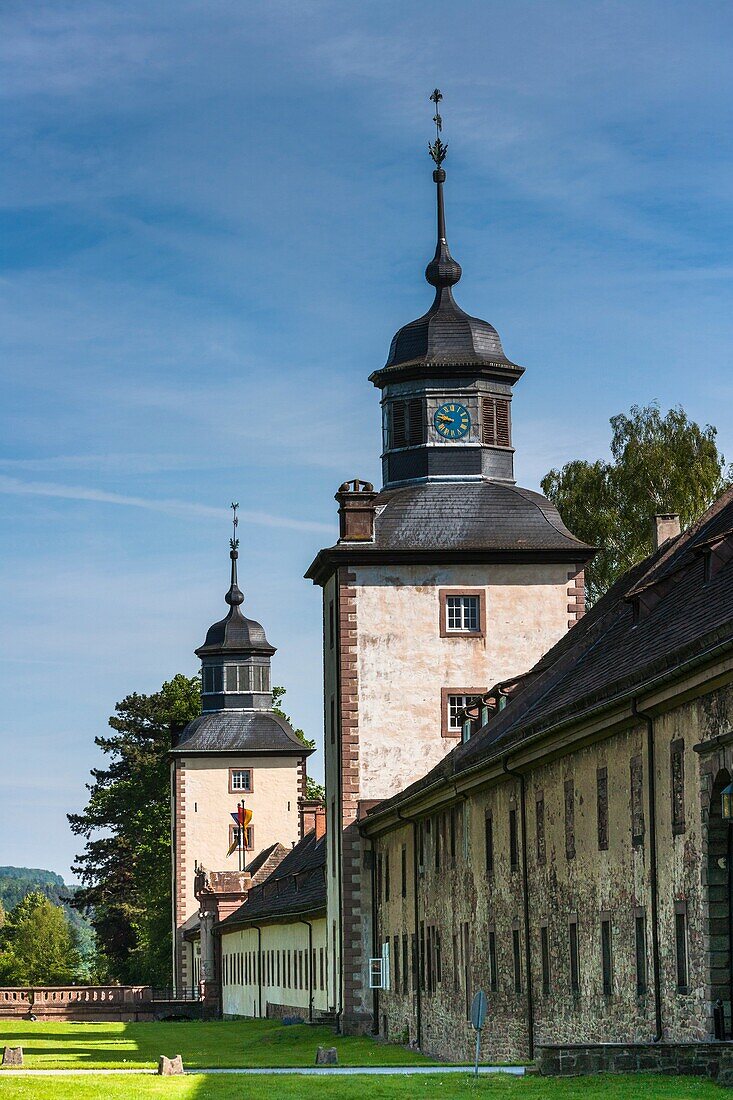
588	862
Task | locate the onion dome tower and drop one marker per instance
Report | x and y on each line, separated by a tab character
447	384
236	690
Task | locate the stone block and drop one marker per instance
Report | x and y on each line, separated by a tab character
13	1056
327	1056
169	1067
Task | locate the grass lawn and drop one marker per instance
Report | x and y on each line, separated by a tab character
454	1087
219	1043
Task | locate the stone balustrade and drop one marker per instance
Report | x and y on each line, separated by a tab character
79	1002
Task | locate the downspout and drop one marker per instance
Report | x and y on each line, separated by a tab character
653	884
338	831
309	926
525	899
259	969
375	939
416	911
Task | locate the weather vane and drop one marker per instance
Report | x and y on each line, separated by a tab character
234	541
436	148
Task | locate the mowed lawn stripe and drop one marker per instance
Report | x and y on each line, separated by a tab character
202	1087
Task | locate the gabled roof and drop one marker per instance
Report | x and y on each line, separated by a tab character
296	887
612	652
262	732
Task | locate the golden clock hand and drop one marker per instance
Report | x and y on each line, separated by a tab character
447	419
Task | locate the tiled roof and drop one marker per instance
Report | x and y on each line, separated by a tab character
240	731
296	886
611	652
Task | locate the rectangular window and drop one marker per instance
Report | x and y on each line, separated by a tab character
405	963
386	876
495	422
212	679
680	931
408	423
249	837
453	827
422	955
438	958
489	836
513	841
493	973
396	962
403	861
606	957
517	959
540	826
240	779
436	843
637	801
415	962
677	752
574	959
456	703
570	819
380	878
462	614
640	951
545	953
466	829
602	807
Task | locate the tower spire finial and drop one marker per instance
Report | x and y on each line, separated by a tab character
442	272
234	596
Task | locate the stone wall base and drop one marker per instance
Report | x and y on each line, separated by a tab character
279	1012
356	1023
713	1059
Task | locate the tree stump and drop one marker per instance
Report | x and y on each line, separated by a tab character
169	1067
327	1056
13	1056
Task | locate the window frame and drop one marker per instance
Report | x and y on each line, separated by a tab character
462	593
445	693
249	845
241	790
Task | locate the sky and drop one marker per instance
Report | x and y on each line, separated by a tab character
213	218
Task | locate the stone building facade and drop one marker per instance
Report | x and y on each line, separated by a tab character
448	580
570	856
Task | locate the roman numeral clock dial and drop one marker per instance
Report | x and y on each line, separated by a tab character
452	420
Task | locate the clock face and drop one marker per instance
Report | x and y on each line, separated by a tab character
452	420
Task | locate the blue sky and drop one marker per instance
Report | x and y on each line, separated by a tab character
214	217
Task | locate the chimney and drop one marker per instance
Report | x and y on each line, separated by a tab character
312	817
666	526
356	511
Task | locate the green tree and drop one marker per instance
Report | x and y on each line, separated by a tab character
313	790
37	944
658	464
125	865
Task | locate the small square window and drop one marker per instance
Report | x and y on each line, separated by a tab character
461	613
456	703
453	702
249	837
240	779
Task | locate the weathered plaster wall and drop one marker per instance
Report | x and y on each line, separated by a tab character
403	662
240	991
595	883
203	790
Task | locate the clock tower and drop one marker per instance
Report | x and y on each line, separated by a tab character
447	384
448	581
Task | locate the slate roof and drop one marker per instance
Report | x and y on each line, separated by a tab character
240	731
611	654
235	632
447	340
464	518
296	887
